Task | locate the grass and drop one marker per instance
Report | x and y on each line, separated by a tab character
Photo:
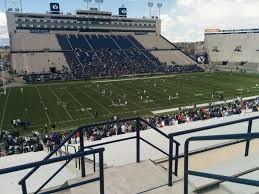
70	104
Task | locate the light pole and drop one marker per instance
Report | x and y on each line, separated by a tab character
21	5
99	2
159	5
150	5
87	2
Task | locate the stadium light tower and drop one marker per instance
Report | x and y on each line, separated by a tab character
159	6
14	2
150	5
21	5
99	2
87	2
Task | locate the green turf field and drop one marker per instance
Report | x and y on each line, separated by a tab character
70	104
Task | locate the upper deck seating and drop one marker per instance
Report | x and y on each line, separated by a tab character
63	42
123	42
111	55
101	42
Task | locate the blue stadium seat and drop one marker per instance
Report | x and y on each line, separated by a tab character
63	42
101	42
123	42
135	42
94	56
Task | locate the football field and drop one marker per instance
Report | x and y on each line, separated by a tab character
69	104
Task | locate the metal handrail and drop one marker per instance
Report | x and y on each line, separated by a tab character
138	138
173	135
94	160
211	127
159	131
67	139
68	145
47	181
246	136
82	147
59	159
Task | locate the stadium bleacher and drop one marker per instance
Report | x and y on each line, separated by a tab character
112	56
230	49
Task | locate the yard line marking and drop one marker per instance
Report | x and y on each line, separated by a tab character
96	102
121	94
6	102
135	96
43	105
198	94
79	102
60	101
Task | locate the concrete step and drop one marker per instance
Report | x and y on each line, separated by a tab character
231	168
234	188
133	178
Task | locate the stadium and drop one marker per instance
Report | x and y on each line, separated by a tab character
97	102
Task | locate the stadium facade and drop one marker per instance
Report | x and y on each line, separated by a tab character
42	43
233	49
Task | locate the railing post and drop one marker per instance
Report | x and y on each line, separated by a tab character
186	167
176	160
170	165
24	188
138	140
248	140
101	173
82	149
94	164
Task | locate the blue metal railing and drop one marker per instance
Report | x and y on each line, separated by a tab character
138	139
83	128
176	157
59	159
187	172
80	129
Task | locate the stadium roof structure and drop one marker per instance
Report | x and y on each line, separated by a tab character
231	31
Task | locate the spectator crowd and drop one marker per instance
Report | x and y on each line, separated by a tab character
107	63
183	116
13	143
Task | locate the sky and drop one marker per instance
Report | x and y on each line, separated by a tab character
182	20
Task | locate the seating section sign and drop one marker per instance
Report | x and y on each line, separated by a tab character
202	58
54	8
123	11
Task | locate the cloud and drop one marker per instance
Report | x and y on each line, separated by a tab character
191	17
3	26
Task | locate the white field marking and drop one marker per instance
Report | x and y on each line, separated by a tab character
143	108
114	94
86	118
130	79
155	91
43	105
6	102
256	87
200	105
239	89
79	103
198	94
61	101
220	92
97	102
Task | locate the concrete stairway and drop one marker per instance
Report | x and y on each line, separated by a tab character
234	188
235	168
144	177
